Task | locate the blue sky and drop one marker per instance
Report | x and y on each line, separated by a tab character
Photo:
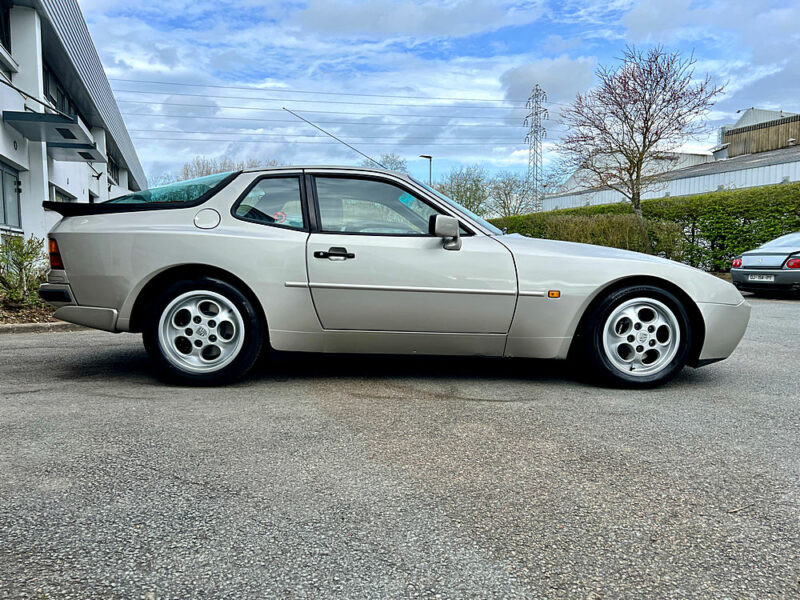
227	68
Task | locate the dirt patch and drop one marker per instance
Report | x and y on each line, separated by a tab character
26	314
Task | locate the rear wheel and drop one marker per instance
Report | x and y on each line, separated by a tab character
638	336
203	332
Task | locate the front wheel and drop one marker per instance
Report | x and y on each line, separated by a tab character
638	336
203	332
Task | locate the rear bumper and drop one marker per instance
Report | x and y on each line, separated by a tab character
725	326
787	280
60	295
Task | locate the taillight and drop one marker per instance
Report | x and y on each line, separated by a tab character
793	263
737	262
55	255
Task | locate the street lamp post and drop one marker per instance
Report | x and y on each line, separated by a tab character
430	167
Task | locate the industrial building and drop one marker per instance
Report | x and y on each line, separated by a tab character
62	137
759	149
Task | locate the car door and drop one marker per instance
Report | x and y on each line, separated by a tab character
373	266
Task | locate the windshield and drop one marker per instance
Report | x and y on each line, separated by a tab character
174	193
785	241
491	228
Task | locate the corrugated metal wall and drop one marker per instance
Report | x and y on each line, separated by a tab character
762	137
744	178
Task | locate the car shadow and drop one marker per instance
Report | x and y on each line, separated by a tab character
283	366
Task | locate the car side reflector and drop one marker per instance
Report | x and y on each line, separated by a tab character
793	263
554	294
55	255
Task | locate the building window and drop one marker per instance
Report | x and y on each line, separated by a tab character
113	170
9	197
5	24
55	93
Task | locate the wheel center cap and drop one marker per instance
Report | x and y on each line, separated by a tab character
202	331
643	336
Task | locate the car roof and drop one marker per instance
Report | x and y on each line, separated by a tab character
327	168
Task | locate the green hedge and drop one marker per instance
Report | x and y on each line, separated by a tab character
714	227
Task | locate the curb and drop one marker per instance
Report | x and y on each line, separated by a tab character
54	327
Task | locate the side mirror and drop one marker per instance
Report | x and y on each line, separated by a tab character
446	227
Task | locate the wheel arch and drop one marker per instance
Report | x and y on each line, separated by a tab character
149	293
695	316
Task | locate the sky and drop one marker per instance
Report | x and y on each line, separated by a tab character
449	78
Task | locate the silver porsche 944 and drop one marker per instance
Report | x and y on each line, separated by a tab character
351	260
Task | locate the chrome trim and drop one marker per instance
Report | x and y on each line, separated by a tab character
534	294
295	284
408	288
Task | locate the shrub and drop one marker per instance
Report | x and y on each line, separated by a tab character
714	227
617	231
23	266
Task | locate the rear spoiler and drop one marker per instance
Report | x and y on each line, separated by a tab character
79	209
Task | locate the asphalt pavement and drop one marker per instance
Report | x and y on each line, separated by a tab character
386	477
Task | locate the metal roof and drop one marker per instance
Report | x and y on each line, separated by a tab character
753	116
69	49
738	163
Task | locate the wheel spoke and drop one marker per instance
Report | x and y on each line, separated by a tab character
208	312
641	336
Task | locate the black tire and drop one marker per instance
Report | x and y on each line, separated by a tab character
593	358
239	360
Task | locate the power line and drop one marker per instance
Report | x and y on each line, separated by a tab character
291	91
369	123
481	107
308	110
361	137
160	139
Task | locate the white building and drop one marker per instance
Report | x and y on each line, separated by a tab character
776	160
62	137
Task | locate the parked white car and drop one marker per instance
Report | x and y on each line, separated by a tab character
326	259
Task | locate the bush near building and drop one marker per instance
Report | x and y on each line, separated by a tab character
711	228
23	267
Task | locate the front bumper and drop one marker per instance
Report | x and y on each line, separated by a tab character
787	280
60	295
725	327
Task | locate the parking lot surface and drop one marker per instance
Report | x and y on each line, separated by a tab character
366	477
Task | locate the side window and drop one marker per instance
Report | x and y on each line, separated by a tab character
273	201
365	206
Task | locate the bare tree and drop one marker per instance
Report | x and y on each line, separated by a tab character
510	194
200	166
393	162
623	132
468	186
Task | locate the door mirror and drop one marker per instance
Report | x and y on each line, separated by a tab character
446	227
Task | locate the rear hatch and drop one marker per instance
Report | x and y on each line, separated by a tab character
183	194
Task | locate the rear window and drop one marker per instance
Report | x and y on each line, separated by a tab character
174	193
786	241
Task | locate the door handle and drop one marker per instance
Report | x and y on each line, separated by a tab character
335	253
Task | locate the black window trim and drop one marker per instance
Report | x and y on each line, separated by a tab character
314	198
74	209
303	200
4	224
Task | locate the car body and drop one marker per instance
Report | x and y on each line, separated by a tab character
772	267
354	260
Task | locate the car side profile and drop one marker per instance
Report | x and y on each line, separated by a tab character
354	260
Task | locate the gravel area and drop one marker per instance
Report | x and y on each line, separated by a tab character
367	477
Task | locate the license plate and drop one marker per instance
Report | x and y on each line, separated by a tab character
761	278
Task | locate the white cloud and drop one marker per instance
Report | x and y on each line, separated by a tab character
378	18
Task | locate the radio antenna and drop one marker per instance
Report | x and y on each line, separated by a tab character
334	137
